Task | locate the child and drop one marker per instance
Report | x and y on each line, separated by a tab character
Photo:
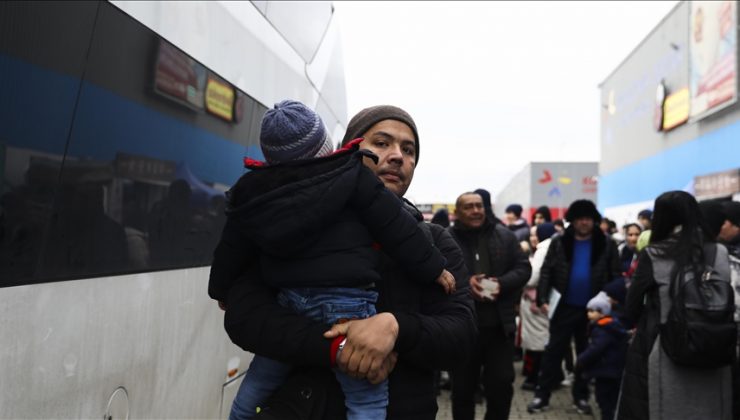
310	224
604	358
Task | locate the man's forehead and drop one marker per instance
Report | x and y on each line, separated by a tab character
470	198
392	128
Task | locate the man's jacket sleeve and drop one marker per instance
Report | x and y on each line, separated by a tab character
519	271
233	254
445	328
257	323
395	229
548	268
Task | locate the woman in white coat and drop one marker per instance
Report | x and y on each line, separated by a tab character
535	325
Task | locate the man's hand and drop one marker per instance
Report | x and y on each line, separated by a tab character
369	343
385	369
447	281
477	290
545	308
493	287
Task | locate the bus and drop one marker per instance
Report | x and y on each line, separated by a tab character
122	124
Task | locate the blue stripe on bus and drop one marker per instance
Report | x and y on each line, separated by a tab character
38	118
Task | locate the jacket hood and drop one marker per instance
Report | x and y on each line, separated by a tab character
284	207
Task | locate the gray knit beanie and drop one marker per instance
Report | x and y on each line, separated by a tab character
292	131
368	117
600	303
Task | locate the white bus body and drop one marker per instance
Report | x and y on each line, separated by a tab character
105	107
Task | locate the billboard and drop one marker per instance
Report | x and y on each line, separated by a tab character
713	56
220	99
179	77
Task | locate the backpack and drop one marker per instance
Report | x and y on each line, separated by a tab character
699	330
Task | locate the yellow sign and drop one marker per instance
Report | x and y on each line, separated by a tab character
676	109
220	99
450	207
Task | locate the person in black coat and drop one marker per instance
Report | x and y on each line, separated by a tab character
498	269
311	222
605	355
418	328
577	266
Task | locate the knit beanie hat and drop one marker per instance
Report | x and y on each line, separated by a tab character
545	231
582	208
616	289
714	215
368	117
515	208
486	196
732	212
600	302
292	131
647	214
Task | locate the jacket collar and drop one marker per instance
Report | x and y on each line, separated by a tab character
598	243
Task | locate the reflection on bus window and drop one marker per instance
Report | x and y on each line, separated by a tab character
119	172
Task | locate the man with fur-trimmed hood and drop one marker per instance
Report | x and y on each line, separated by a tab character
578	265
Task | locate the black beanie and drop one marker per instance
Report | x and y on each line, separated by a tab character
368	117
732	212
582	208
714	215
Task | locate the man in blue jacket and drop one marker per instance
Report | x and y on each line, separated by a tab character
578	265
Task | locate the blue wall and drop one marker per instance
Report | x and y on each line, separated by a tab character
672	169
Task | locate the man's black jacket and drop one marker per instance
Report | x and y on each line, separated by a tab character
555	271
434	329
508	263
312	223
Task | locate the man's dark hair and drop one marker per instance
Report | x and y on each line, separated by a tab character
516	209
630	225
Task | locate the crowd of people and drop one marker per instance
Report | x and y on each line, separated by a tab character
352	304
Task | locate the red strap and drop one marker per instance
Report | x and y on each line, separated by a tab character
251	163
334	348
350	145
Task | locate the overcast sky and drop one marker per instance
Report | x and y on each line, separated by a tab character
491	85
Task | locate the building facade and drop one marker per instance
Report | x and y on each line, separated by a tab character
552	184
669	113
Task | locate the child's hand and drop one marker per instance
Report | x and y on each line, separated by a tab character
447	281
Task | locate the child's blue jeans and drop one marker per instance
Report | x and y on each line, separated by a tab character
329	305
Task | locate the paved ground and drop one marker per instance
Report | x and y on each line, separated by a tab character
561	405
